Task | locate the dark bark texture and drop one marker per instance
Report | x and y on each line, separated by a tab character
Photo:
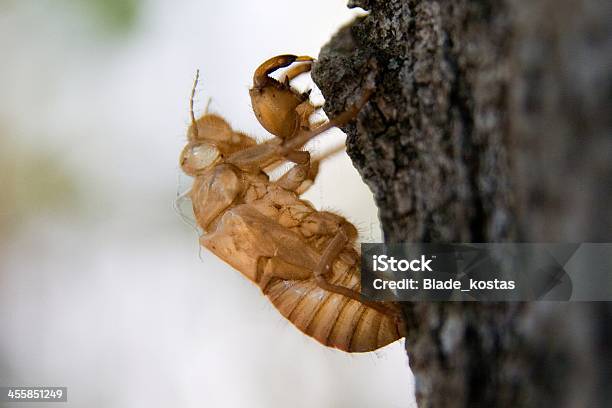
490	122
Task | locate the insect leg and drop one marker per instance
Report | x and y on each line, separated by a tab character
314	168
269	268
304	111
302	176
306	108
334	150
334	248
294	72
340	120
309	181
295	176
261	78
263	155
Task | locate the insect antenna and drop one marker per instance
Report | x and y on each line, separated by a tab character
193	91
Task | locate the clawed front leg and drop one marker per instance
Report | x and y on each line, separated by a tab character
265	154
296	71
261	76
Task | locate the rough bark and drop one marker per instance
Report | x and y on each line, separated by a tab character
490	122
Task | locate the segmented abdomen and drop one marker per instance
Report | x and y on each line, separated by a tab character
243	235
332	319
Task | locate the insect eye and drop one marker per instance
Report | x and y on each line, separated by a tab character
198	157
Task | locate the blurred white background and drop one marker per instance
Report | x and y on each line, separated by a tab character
103	288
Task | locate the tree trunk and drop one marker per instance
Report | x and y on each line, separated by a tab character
490	122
